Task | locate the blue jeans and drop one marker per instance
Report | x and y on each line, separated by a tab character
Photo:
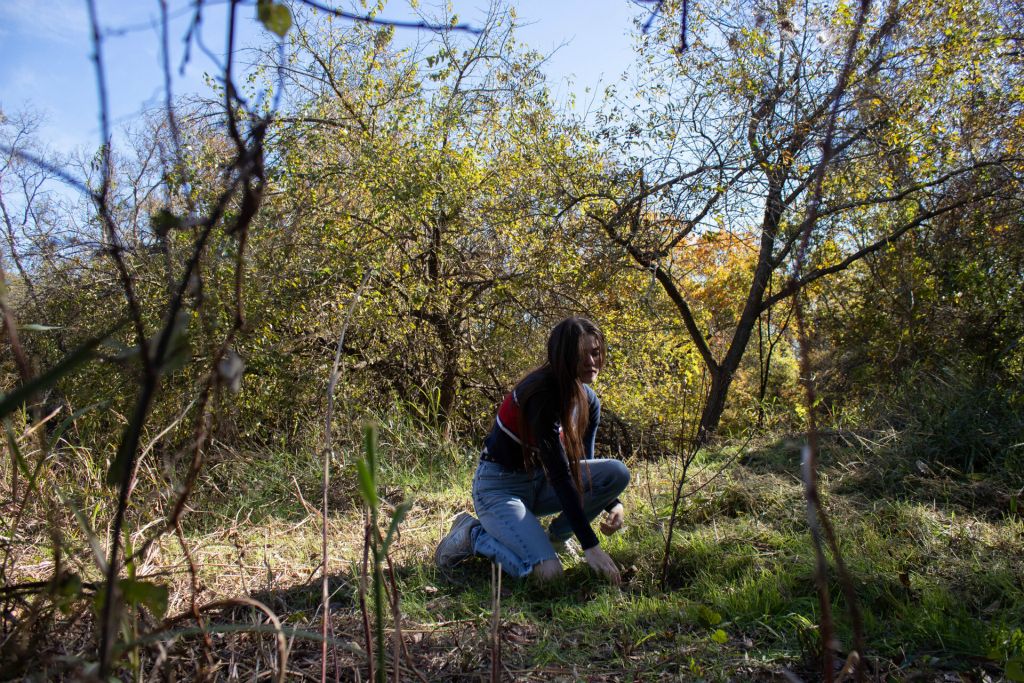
508	504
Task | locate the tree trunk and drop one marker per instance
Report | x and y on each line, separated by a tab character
714	406
722	375
449	373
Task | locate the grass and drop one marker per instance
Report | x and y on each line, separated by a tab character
938	578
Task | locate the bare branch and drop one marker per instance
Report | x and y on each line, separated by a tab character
371	19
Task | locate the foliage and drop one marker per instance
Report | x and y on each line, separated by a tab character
765	128
926	337
233	235
955	420
378	546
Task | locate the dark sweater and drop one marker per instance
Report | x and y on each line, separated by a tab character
536	396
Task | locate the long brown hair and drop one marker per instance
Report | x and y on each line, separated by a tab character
565	350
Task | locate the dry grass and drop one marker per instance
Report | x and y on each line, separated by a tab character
940	586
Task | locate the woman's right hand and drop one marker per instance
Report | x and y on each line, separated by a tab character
602	563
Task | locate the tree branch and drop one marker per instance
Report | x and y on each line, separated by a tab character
796	285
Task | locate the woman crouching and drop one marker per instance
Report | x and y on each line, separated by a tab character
539	460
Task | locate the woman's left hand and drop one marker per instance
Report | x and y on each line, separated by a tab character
613	520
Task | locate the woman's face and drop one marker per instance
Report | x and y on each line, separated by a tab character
590	359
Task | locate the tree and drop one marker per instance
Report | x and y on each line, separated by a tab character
432	167
735	134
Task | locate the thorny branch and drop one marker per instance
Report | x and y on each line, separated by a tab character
689	445
378	21
246	178
817	518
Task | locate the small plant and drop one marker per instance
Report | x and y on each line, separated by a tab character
1010	651
377	550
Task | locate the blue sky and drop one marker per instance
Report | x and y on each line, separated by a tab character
45	53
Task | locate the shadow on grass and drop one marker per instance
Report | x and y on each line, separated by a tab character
886	473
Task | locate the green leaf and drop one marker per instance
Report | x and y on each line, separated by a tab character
174	357
129	552
12	443
122	352
19	459
94	541
720	637
1015	669
370	445
707	616
83	354
367	487
70	585
152	596
400	512
263	10
276	17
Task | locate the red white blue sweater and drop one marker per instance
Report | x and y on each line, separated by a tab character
533	404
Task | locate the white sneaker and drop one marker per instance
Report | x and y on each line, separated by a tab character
457	545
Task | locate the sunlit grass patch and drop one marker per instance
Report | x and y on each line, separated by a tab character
927	580
938	586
